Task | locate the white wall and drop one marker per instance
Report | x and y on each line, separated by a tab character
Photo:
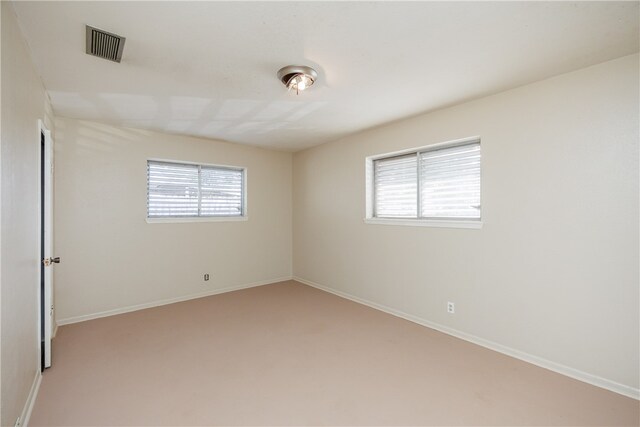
23	102
113	259
554	270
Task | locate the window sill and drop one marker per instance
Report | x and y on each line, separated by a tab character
425	222
197	219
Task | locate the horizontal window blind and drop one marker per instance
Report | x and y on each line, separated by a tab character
221	191
450	182
176	190
440	183
172	190
396	187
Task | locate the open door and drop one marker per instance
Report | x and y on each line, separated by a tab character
46	246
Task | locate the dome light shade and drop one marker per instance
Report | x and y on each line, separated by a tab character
297	77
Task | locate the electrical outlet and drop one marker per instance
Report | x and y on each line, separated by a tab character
451	307
206	277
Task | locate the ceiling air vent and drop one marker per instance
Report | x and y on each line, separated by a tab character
104	45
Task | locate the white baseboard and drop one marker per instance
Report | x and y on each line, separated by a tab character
128	309
31	400
535	360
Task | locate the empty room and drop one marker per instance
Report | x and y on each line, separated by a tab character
320	213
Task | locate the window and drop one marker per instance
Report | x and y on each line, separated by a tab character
438	185
184	190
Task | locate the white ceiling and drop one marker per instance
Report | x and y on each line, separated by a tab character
209	68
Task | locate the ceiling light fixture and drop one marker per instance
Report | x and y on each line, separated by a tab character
298	77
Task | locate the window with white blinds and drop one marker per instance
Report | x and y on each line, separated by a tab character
441	183
183	190
396	189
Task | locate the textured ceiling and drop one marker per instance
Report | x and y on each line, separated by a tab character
209	68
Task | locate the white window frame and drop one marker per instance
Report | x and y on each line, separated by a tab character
245	206
370	217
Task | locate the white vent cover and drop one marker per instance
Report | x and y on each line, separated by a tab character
104	45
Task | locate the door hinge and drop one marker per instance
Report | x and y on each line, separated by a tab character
51	260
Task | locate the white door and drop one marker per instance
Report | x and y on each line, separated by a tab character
46	245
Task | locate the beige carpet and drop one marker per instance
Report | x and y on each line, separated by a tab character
288	354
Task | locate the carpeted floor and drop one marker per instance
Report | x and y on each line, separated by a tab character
288	354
